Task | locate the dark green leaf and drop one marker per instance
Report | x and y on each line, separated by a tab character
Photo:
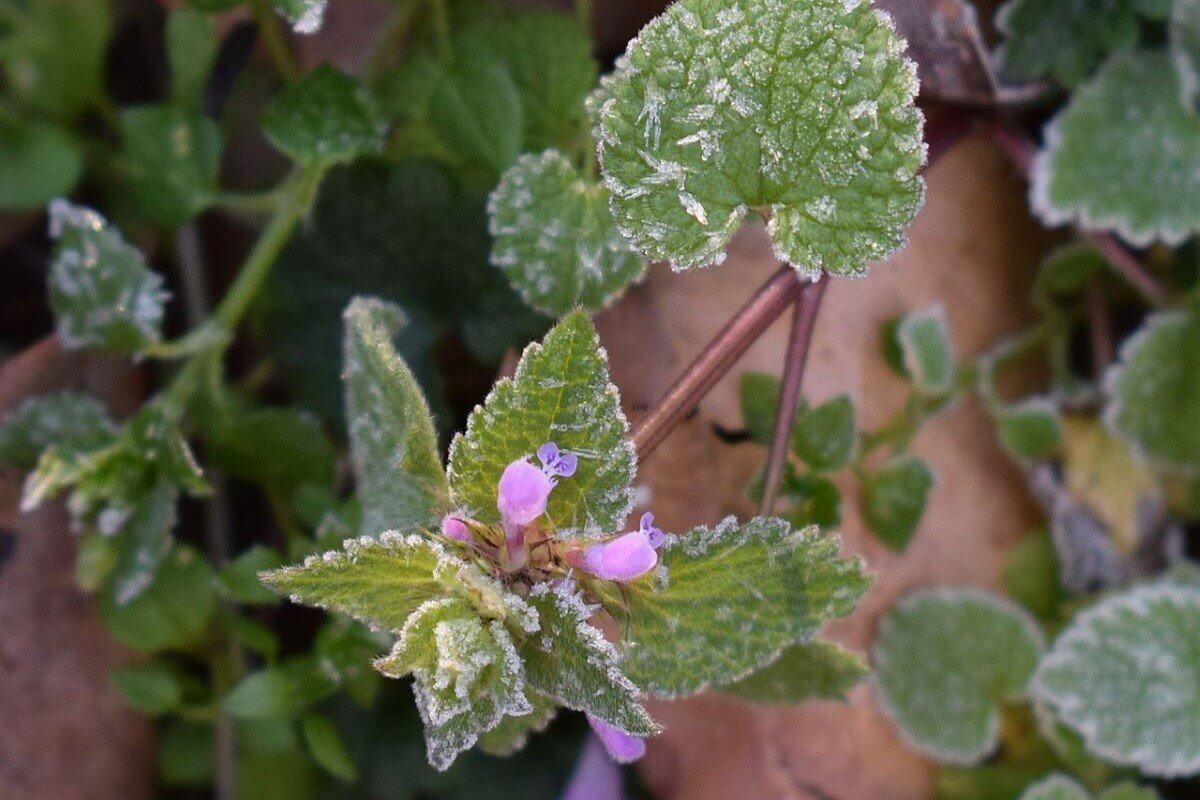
278	447
824	437
326	117
185	753
191	42
1031	429
38	162
54	59
760	400
145	542
172	156
894	498
153	688
280	691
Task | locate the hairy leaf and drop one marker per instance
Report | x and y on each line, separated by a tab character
38	162
172	156
513	732
944	660
811	671
802	112
894	498
72	421
326	117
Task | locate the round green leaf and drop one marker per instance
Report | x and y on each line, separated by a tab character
1126	677
553	236
1063	38
172	156
326	117
172	612
1056	787
38	162
893	499
54	58
824	437
800	111
944	661
1030	429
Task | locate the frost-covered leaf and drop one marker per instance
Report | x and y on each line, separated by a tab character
1056	787
553	236
811	671
570	660
513	732
894	498
824	437
560	393
728	600
468	675
1030	429
101	292
1125	676
799	111
392	440
191	43
945	660
70	420
54	59
172	156
760	401
1153	397
380	581
305	16
1184	34
174	610
924	339
1124	155
326	117
38	162
145	541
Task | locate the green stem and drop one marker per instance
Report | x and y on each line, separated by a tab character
248	202
271	31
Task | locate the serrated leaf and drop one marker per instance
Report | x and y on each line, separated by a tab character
326	747
924	338
67	419
811	671
54	59
38	162
894	498
172	612
760	401
560	393
1031	429
944	660
1153	399
172	156
191	44
153	688
101	292
553	236
1124	155
239	578
727	600
327	117
513	732
800	111
824	437
570	660
1124	675
392	440
305	16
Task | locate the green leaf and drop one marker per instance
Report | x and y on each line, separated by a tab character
305	16
326	747
392	440
283	690
1030	429
760	401
271	762
813	671
1153	402
1056	787
380	581
172	156
924	338
727	600
95	558
54	59
145	542
1124	155
191	43
185	753
554	238
1031	575
824	437
561	393
893	499
944	660
1064	274
239	578
802	112
153	688
67	419
38	162
1184	39
172	612
810	500
101	292
475	106
512	733
1128	791
253	636
327	117
1124	675
570	660
276	447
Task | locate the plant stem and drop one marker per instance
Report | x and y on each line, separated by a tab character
1100	328
248	202
804	319
274	39
717	358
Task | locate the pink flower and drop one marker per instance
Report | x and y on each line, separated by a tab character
623	559
621	747
522	494
454	528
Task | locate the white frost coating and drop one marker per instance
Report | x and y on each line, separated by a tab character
915	360
311	20
1056	787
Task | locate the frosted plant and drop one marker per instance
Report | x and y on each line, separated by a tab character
498	564
1060	787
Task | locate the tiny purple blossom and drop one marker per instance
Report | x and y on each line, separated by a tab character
621	747
555	463
522	494
623	559
454	528
653	534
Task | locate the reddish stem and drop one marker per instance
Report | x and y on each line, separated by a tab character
1100	325
804	318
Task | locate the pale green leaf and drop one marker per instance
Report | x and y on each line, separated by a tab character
894	498
326	747
191	43
1125	676
1031	429
513	732
38	162
802	112
560	393
728	600
1154	402
101	292
153	688
326	117
1124	155
944	661
1056	787
172	156
570	660
1031	575
1184	37
67	419
924	338
824	437
813	671
1065	39
553	236
54	59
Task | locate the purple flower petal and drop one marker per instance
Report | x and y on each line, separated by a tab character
522	494
454	528
567	464
621	747
622	559
554	462
548	453
655	535
595	776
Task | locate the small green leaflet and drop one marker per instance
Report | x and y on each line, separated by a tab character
728	600
327	117
73	421
1030	429
824	437
153	688
392	441
281	690
1124	155
801	112
944	660
325	745
560	393
173	612
101	292
1153	400
553	236
305	16
811	671
239	578
894	498
172	156
924	338
1124	675
1061	787
38	162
